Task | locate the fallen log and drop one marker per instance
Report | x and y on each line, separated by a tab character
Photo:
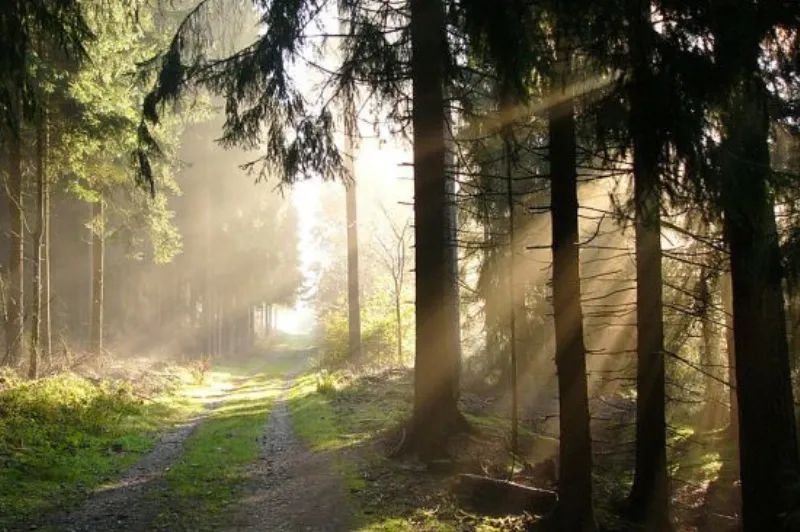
499	497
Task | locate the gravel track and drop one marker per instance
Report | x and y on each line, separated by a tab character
292	488
124	505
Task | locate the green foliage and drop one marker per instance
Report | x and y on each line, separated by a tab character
63	435
378	333
29	25
326	383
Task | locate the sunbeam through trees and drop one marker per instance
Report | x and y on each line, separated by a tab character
400	265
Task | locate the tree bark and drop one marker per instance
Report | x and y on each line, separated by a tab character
399	318
709	351
353	290
451	237
767	431
47	318
98	273
575	507
512	287
436	359
730	350
38	235
649	497
15	325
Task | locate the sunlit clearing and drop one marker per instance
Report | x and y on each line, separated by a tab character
295	320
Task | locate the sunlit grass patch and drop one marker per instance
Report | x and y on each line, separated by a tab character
62	436
349	416
212	469
421	520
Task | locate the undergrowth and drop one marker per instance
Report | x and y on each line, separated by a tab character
64	435
350	416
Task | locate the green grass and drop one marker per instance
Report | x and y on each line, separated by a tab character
60	437
211	472
342	415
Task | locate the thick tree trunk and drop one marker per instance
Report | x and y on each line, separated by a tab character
15	325
436	359
38	235
767	431
98	273
793	318
513	297
575	507
649	497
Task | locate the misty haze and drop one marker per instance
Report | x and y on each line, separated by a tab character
387	265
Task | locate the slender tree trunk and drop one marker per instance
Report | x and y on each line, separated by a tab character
649	497
399	318
575	511
709	352
490	296
436	358
351	213
353	290
15	324
451	237
46	308
730	350
767	431
38	235
98	273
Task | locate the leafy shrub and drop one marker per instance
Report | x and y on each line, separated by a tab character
378	334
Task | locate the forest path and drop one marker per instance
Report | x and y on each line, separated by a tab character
291	487
125	504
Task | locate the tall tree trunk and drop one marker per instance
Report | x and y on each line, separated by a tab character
793	315
351	213
730	350
649	497
490	296
15	324
451	237
512	295
709	351
575	510
98	272
353	290
38	235
767	431
436	358
47	318
398	315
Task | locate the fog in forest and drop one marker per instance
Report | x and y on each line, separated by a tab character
377	265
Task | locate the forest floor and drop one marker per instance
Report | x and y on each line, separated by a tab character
265	444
